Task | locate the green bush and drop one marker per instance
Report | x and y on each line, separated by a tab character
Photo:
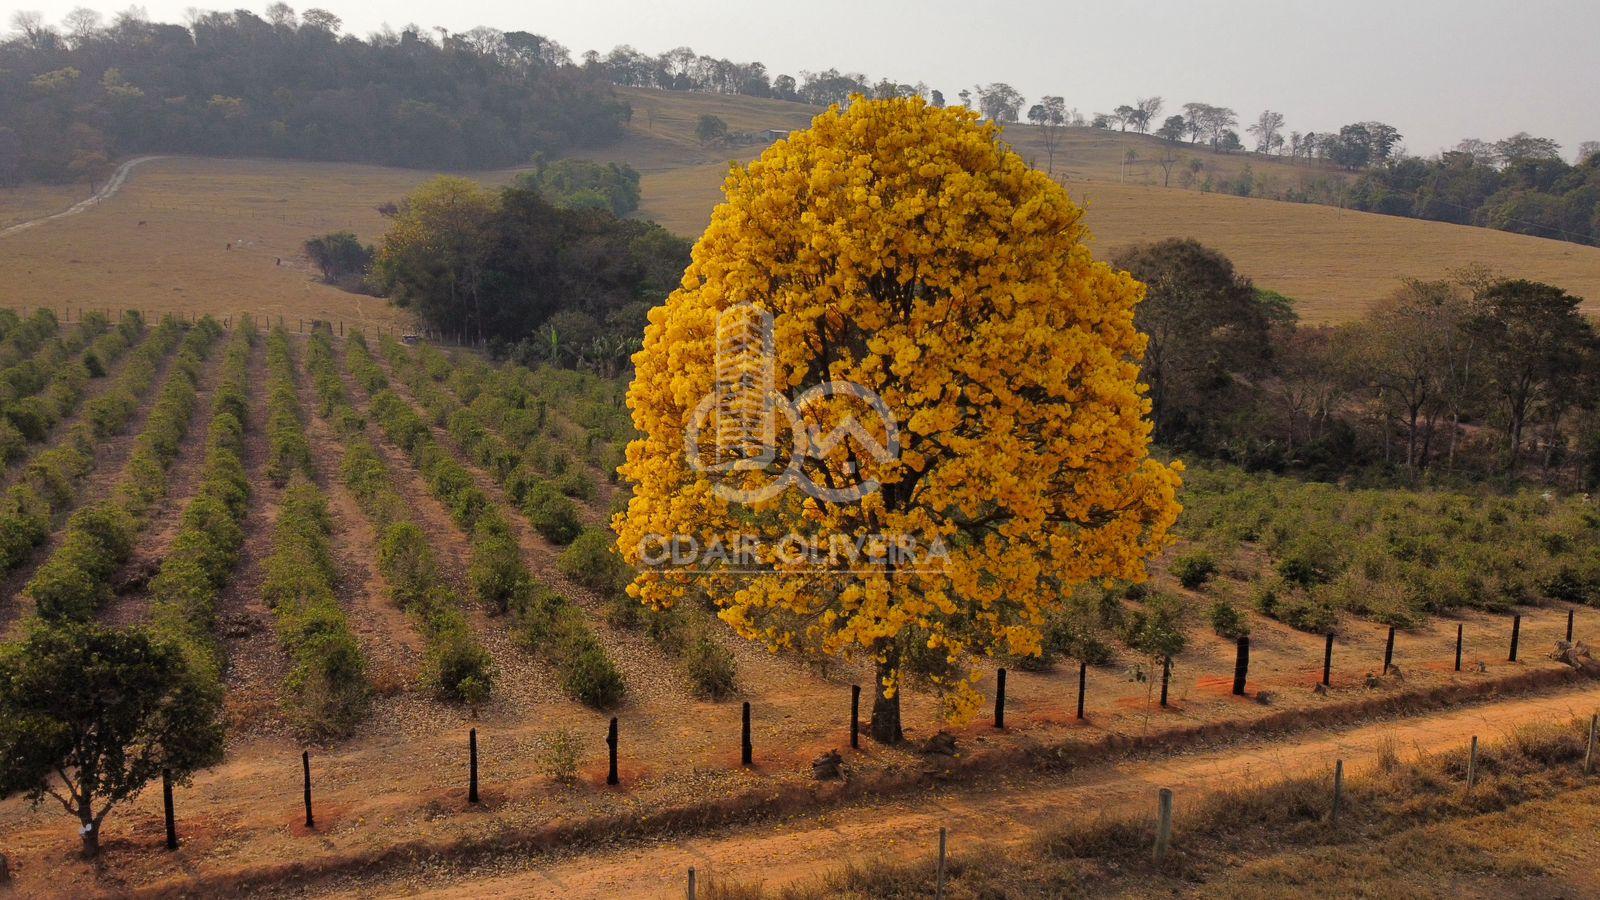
552	514
710	667
592	561
1194	569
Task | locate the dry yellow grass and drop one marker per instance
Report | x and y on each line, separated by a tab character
30	201
1334	262
179	259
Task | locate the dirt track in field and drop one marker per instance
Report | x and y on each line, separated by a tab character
997	816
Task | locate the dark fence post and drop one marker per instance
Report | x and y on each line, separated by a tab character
1459	629
1388	651
1083	680
1000	699
305	763
611	742
1327	662
166	800
1166	675
855	716
1241	666
747	750
472	765
1516	632
1570	613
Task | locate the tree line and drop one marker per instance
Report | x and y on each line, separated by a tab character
1473	374
74	98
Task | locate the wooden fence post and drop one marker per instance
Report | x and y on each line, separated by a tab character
1166	676
166	802
1241	665
1516	632
855	717
1327	662
1000	699
938	873
692	893
472	765
305	763
1388	651
1472	764
1083	679
1163	824
1570	613
1459	630
746	749
611	742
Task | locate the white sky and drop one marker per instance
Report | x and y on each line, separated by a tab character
1439	70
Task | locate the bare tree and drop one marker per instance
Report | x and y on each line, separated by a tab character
1267	131
1169	157
1146	109
1586	150
1049	114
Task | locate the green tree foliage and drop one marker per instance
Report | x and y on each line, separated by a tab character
231	83
89	715
499	266
710	129
585	184
342	257
1207	329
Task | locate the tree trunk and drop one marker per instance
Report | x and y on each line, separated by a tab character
885	727
91	839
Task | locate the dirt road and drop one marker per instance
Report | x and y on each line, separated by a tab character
803	848
106	191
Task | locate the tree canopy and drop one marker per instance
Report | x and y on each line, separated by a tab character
89	715
902	249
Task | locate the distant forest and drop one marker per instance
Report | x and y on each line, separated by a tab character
76	96
291	86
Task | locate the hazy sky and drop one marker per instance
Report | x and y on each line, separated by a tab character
1439	70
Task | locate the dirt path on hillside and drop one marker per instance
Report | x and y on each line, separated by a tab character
994	817
106	192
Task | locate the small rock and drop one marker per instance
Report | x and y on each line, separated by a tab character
1265	698
1481	667
1372	680
827	766
1396	674
1320	689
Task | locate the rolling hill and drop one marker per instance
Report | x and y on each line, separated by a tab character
196	234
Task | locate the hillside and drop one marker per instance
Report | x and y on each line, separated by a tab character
1333	261
163	242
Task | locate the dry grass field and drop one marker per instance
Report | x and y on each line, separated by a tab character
30	201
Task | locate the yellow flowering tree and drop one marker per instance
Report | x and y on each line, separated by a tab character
903	250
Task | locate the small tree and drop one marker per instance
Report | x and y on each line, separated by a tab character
340	255
710	130
89	715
